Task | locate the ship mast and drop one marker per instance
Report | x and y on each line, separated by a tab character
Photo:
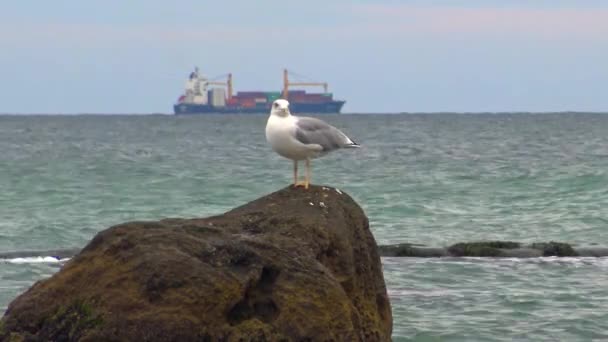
227	84
287	84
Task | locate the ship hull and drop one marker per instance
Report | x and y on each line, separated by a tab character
332	107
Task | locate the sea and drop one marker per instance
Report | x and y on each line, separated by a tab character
430	179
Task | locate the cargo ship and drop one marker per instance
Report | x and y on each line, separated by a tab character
205	96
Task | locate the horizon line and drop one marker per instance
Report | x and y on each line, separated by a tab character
344	113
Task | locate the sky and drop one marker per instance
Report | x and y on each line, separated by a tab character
134	56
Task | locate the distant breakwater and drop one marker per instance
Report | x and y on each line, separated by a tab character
491	249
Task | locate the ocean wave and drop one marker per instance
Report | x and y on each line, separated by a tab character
35	260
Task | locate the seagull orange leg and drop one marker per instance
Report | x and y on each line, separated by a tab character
296	182
307	182
295	173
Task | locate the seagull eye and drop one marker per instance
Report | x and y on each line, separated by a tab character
276	105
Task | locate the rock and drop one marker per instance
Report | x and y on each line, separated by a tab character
494	249
295	265
596	252
523	252
481	248
554	248
411	250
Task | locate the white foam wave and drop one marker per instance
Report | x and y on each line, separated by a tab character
576	261
550	259
35	260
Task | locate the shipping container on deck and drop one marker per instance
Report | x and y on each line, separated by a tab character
251	94
246	102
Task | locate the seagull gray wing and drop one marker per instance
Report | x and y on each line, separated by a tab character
315	131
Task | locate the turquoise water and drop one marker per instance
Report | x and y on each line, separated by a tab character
430	179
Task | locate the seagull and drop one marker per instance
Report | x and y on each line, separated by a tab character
302	138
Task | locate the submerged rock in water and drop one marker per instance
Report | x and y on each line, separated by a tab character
554	249
411	250
482	248
293	265
495	249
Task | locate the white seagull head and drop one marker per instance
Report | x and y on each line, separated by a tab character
280	108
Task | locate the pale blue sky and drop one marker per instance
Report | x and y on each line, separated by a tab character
381	56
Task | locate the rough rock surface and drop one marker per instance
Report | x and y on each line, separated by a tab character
295	265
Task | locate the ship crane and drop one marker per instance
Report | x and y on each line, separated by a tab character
287	84
227	84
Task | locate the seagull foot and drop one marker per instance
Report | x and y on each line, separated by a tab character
302	184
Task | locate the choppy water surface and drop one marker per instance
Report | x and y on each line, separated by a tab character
430	179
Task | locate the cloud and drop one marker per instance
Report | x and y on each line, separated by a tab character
101	34
548	23
358	23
